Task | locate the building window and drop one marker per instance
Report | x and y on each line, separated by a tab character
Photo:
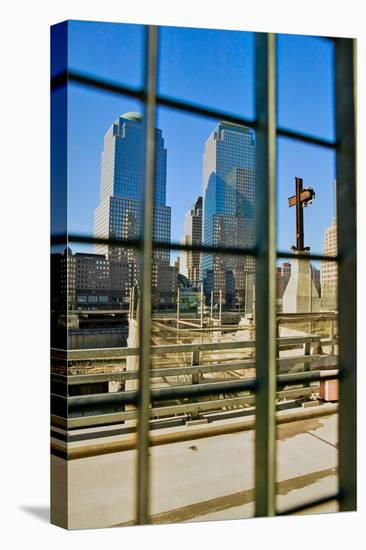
270	127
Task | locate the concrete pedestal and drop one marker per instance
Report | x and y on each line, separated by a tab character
301	295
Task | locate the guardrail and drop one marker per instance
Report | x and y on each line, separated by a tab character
100	354
94	409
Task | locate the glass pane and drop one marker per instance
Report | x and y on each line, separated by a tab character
106	159
307	308
102	488
99	294
210	180
95	428
214	68
112	51
202	438
306	287
105	199
103	131
307	459
184	139
307	388
207	315
305	84
205	478
315	166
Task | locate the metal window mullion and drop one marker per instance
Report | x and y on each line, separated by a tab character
120	89
265	430
345	88
143	482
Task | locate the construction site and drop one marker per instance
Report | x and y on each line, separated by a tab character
202	419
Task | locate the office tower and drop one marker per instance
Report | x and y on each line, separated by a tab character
192	234
120	211
228	210
95	282
329	271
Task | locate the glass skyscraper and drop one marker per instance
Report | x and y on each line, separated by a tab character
120	211
228	209
191	260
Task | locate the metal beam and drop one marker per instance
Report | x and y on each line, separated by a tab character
163	245
98	420
120	89
158	394
199	432
77	379
212	406
309	506
305	256
189	390
143	477
265	275
105	354
345	90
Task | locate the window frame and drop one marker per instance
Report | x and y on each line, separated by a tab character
265	252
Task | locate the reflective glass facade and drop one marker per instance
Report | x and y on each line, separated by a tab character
228	209
120	212
190	260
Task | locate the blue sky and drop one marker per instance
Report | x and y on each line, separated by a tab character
210	67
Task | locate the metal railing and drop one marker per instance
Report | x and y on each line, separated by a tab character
78	405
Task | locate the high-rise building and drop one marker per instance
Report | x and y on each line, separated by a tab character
192	234
95	282
120	211
329	271
228	210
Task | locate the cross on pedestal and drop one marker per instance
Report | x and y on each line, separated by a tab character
302	198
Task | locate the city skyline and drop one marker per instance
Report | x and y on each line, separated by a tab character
185	135
166	346
224	214
176	239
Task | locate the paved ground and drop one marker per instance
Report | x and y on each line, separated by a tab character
206	479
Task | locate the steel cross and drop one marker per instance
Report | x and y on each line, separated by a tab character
302	198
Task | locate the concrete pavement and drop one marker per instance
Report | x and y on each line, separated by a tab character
205	479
